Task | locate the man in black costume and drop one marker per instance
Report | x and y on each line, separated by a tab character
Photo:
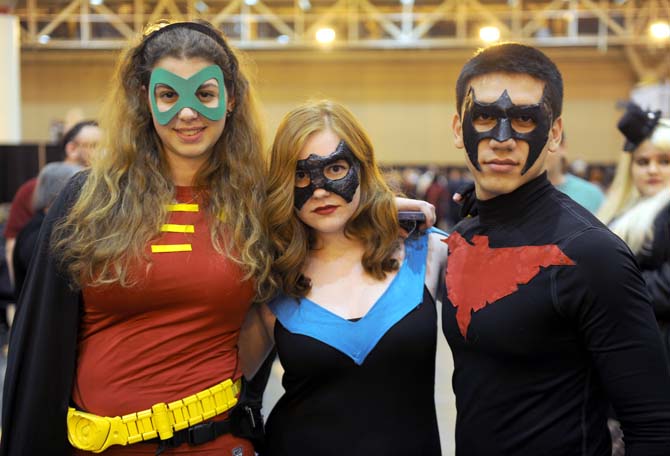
545	310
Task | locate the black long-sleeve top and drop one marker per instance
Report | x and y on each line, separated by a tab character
655	265
549	320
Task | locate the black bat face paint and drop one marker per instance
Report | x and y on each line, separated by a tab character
328	173
535	120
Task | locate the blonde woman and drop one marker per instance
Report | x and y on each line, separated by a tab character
641	191
146	266
355	324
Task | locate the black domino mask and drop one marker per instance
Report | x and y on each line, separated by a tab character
317	168
503	110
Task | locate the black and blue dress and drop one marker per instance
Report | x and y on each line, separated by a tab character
361	387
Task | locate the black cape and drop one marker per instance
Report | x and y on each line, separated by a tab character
23	249
42	349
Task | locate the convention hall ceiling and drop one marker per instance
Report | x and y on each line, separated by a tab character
363	24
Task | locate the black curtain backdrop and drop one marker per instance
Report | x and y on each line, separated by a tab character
18	163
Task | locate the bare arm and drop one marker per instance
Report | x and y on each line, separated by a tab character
406	204
256	338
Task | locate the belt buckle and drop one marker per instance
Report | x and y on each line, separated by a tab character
94	433
201	433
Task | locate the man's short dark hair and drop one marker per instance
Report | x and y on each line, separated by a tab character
72	133
513	58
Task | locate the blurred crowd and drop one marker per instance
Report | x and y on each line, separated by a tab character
438	184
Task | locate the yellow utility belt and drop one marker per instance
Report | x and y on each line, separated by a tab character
96	433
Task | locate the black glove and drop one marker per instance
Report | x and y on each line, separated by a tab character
246	418
468	200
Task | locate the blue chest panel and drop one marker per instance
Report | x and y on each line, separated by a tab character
357	339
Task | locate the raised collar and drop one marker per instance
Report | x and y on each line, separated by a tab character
511	206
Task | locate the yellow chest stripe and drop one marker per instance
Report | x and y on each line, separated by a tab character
168	248
182	207
174	228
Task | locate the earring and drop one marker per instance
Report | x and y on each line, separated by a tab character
229	113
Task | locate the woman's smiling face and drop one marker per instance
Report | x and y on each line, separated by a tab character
189	137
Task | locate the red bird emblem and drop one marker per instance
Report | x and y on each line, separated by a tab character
478	275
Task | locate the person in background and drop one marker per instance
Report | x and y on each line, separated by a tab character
438	195
598	176
78	144
544	309
584	192
426	178
355	324
638	209
50	181
643	169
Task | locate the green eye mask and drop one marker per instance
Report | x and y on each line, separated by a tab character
186	90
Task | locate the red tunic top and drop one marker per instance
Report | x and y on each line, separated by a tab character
21	210
172	335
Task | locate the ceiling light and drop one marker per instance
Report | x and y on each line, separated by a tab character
489	34
660	30
325	35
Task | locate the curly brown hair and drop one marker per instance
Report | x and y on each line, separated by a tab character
122	204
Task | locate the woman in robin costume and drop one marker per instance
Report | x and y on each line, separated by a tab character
147	265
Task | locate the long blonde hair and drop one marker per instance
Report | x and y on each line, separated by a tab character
374	223
636	225
625	211
622	193
122	204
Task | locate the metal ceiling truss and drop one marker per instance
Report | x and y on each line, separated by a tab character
360	24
